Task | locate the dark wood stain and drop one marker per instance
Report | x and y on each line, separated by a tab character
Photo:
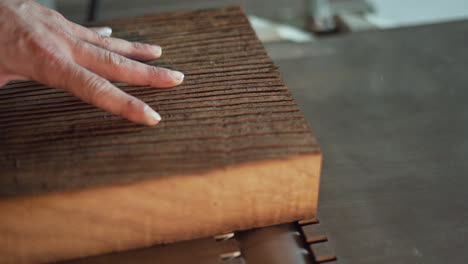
232	108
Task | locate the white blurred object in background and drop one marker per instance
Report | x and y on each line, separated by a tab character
398	13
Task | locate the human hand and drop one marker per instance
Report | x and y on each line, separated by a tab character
39	44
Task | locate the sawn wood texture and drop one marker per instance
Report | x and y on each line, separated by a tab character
233	150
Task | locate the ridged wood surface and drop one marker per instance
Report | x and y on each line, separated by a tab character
232	108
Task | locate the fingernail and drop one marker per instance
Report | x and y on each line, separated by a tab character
157	50
151	116
177	75
104	31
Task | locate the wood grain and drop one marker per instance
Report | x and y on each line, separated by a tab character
233	151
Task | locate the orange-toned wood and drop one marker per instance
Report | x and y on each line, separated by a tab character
233	151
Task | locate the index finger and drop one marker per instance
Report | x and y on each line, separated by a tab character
133	50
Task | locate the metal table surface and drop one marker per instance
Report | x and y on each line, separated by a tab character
390	109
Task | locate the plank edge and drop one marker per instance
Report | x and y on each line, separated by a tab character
82	223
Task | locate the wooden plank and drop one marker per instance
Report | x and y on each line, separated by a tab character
283	243
203	251
233	151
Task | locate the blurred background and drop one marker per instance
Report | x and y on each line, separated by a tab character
299	20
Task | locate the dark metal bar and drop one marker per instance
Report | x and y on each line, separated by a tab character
274	245
93	9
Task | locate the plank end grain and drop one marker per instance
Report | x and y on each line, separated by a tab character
233	152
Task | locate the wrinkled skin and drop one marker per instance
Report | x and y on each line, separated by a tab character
37	43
